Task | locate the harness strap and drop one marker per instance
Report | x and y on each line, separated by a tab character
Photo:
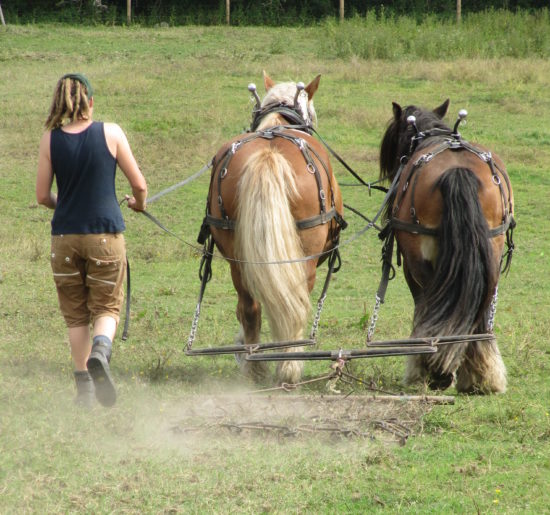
306	223
290	114
320	219
388	270
312	168
415	228
218	223
226	224
507	256
205	274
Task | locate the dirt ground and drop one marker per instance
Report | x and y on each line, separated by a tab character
387	418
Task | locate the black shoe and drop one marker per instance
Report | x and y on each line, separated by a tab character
98	367
85	395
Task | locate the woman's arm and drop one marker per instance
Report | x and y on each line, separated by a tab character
118	142
44	176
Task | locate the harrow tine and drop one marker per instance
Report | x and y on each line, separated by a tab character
432	340
345	355
248	349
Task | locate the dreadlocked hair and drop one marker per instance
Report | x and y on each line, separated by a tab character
70	103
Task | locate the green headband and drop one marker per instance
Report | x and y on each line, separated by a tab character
83	80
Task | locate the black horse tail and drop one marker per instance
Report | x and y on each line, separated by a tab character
457	298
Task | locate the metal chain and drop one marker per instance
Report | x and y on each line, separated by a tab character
317	317
374	319
492	311
194	326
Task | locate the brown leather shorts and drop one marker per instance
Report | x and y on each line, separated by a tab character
88	270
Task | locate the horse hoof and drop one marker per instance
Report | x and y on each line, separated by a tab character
440	381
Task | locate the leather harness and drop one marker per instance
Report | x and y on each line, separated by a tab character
281	131
451	141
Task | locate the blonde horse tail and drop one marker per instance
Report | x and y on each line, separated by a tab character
266	231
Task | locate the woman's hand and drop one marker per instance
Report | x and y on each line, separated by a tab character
133	204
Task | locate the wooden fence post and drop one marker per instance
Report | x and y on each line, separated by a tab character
129	12
228	12
2	16
341	10
458	11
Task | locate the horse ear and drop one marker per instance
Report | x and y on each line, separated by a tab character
441	111
397	111
311	88
268	82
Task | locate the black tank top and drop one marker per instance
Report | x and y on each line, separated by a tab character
84	171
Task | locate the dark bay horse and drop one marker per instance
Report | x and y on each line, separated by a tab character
274	211
451	214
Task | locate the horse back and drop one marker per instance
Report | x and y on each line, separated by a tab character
226	172
419	199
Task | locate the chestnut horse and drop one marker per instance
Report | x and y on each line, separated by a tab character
274	211
451	212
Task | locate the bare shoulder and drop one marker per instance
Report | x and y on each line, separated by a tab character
45	142
46	137
113	130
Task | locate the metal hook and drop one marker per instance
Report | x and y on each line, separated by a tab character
461	116
411	120
252	89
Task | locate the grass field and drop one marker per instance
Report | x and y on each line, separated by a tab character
179	93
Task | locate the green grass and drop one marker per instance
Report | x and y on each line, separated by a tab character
179	93
489	34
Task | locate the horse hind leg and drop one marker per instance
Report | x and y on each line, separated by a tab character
482	370
474	367
291	371
290	329
249	314
419	370
415	370
437	371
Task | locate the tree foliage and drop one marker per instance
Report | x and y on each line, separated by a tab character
243	12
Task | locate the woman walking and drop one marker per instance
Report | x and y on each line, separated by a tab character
88	251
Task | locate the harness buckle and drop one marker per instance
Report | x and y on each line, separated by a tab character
424	158
486	156
310	168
